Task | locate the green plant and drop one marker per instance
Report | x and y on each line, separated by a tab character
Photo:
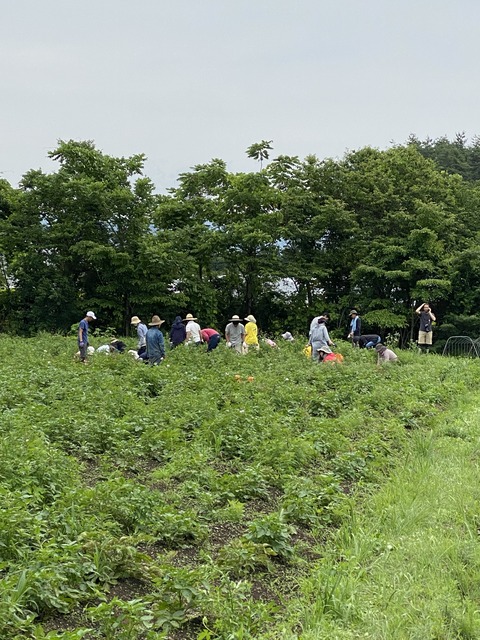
272	530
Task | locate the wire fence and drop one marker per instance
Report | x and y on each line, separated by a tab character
462	346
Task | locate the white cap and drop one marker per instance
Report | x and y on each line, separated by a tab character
90	314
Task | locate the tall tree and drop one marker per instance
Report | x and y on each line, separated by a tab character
76	238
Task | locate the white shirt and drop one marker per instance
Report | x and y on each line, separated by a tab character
194	330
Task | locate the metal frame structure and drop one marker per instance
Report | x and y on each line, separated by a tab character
462	346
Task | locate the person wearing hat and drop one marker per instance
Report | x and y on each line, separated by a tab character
141	334
178	333
288	336
325	354
355	327
235	334
192	331
83	335
385	355
319	337
251	333
155	342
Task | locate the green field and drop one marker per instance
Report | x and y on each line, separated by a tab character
219	496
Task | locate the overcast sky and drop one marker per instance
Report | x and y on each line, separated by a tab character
184	81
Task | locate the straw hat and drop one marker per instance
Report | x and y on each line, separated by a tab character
353	312
251	318
235	319
189	317
156	322
135	320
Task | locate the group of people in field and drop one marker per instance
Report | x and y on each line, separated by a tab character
187	331
241	337
319	341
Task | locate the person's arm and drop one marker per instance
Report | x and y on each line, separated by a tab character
431	315
80	335
327	337
419	310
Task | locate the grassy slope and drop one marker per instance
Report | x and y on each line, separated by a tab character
408	565
158	498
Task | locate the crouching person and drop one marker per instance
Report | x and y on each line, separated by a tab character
384	354
325	354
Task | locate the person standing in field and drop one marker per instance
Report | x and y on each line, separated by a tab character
155	342
210	337
178	332
192	331
314	322
141	334
251	333
355	327
319	337
425	331
235	334
83	335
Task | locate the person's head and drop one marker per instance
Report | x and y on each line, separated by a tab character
380	349
135	321
323	351
235	319
321	319
426	307
156	322
353	313
251	318
90	316
189	318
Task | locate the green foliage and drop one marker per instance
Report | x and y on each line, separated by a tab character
377	229
153	496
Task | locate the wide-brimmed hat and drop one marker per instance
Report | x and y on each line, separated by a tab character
325	349
189	317
353	312
135	320
156	322
251	318
235	319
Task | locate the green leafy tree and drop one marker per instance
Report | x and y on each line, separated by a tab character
76	238
260	151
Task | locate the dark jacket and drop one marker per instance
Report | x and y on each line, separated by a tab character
178	332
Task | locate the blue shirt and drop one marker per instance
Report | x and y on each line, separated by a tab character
355	326
141	333
155	345
83	324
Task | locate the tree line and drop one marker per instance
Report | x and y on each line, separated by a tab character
378	230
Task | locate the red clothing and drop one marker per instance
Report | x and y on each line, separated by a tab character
330	357
207	334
